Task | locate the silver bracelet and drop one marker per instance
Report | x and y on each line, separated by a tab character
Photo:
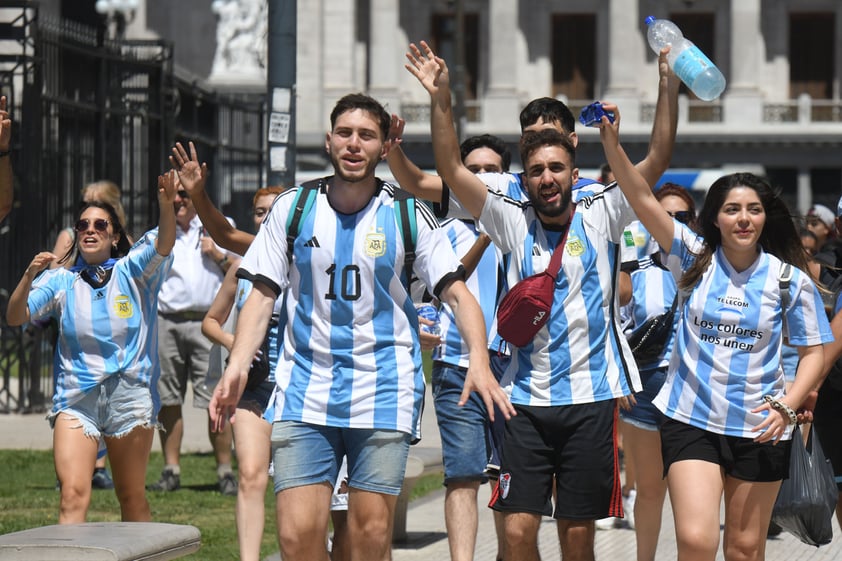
780	406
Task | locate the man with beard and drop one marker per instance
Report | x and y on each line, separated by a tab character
567	379
350	381
186	294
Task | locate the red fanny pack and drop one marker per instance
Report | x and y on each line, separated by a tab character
526	307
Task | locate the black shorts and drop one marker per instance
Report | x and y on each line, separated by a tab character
827	420
574	444
742	458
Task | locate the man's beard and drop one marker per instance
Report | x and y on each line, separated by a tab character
552	210
368	171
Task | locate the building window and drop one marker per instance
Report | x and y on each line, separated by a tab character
444	44
574	56
811	55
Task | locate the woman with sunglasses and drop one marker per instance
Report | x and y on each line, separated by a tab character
730	417
647	290
106	366
107	192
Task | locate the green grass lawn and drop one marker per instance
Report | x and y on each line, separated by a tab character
28	499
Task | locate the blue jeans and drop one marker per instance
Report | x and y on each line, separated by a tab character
463	429
306	454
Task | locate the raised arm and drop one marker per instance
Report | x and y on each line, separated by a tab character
17	311
432	72
634	185
166	214
193	176
7	189
662	142
409	176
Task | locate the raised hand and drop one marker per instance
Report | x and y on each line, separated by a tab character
39	263
429	69
167	188
191	173
396	127
5	126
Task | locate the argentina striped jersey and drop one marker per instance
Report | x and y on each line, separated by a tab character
728	344
653	287
107	330
580	355
483	285
351	354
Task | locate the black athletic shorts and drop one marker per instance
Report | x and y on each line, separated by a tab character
575	445
742	458
827	420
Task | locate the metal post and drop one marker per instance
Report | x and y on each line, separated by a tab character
281	62
459	75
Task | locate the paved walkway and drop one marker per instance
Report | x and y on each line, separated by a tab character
427	535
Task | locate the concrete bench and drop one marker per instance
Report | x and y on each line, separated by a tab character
421	461
101	541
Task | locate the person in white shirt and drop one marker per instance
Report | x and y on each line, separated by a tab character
730	416
185	353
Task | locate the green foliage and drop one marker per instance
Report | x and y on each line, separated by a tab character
29	499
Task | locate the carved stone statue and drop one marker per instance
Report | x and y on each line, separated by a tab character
240	41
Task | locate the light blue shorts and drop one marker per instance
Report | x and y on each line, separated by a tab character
306	454
114	408
644	415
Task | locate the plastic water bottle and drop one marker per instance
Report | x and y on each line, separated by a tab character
686	59
429	312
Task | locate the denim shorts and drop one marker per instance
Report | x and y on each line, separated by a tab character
306	454
644	415
463	430
114	408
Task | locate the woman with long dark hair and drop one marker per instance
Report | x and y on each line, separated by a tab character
106	366
743	289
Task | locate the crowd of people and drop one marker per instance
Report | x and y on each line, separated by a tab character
326	292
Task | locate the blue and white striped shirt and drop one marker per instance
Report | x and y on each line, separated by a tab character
728	344
351	353
483	285
107	330
580	355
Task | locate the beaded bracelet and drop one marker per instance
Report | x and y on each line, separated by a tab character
780	406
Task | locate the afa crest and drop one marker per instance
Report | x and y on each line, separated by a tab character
375	244
123	307
575	247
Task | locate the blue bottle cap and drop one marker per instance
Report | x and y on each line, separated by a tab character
649	20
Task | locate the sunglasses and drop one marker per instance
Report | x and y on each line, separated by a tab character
683	216
100	225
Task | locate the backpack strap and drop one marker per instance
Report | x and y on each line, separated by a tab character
302	204
405	215
784	278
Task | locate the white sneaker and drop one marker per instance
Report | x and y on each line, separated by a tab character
628	507
606	523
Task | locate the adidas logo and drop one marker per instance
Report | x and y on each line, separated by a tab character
312	242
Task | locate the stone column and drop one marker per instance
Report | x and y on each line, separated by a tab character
743	102
501	104
387	46
625	45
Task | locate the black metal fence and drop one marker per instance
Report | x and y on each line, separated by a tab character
86	108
